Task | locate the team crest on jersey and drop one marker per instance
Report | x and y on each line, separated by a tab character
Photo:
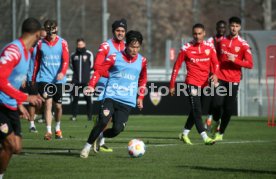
84	58
207	51
76	57
155	98
106	112
4	128
237	49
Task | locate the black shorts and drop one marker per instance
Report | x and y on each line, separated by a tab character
117	110
32	90
49	90
9	122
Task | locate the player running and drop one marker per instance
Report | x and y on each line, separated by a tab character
111	46
14	64
126	72
234	54
221	34
201	60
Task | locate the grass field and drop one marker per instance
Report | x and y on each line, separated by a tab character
247	151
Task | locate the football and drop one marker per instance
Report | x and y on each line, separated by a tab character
136	148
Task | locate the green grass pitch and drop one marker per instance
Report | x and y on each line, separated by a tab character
247	151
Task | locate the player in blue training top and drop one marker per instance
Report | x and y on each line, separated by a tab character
127	75
113	45
14	63
50	68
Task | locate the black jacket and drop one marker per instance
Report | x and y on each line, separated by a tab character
82	65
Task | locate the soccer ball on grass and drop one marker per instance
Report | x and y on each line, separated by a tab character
136	148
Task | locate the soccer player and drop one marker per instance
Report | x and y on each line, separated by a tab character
126	71
82	61
201	60
221	34
115	44
50	69
32	89
14	63
234	54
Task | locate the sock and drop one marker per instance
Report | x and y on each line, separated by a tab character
186	132
87	146
49	129
1	176
210	117
204	135
102	141
32	124
58	126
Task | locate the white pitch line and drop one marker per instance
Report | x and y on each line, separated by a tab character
27	151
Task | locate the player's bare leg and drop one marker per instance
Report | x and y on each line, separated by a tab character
48	118
58	114
11	145
32	110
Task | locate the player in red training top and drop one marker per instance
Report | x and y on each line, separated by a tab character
201	60
235	53
216	39
14	64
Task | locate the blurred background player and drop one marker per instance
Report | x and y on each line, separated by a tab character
14	63
201	60
82	61
234	54
32	89
113	45
220	34
124	69
50	69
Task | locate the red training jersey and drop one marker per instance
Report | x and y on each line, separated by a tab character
231	71
200	59
104	50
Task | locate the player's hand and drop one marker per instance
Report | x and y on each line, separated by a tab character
89	90
172	91
33	83
24	84
35	100
231	57
60	76
23	111
140	103
214	80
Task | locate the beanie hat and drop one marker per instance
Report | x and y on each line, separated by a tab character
119	23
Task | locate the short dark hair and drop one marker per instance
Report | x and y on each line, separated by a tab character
133	36
80	40
30	25
198	25
220	22
234	19
50	24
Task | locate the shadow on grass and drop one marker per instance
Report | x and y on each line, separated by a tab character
50	151
228	170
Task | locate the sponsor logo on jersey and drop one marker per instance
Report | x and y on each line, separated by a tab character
155	98
237	49
4	128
